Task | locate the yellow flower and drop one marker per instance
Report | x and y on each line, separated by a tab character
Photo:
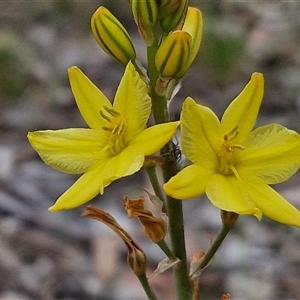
231	163
114	146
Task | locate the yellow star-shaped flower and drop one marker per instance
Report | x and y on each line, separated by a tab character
114	146
234	165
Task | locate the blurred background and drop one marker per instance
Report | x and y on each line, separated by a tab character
62	256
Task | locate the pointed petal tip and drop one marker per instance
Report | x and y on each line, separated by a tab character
259	77
189	101
130	66
73	70
29	135
53	209
257	213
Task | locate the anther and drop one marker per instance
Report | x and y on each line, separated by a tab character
106	128
232	134
104	116
111	111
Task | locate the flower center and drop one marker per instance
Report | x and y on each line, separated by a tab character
116	127
225	155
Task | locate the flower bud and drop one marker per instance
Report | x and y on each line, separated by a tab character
145	15
173	53
193	25
173	20
167	7
112	36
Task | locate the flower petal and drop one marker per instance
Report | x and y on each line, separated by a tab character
273	205
152	139
190	182
133	102
271	153
126	163
90	100
243	110
201	133
71	150
83	190
228	193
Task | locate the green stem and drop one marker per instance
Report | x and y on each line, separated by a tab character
214	247
145	284
156	186
184	288
165	248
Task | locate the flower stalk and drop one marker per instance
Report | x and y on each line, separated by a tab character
228	219
183	284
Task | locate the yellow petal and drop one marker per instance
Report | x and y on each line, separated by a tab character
272	153
154	138
228	193
90	100
272	204
201	134
71	150
83	190
243	110
133	102
188	183
126	163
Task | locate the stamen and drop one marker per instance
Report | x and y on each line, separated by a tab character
104	116
235	172
122	128
106	128
115	129
232	134
226	152
111	111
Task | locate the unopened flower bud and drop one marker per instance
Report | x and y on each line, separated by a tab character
167	7
193	25
112	37
173	20
145	14
173	53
